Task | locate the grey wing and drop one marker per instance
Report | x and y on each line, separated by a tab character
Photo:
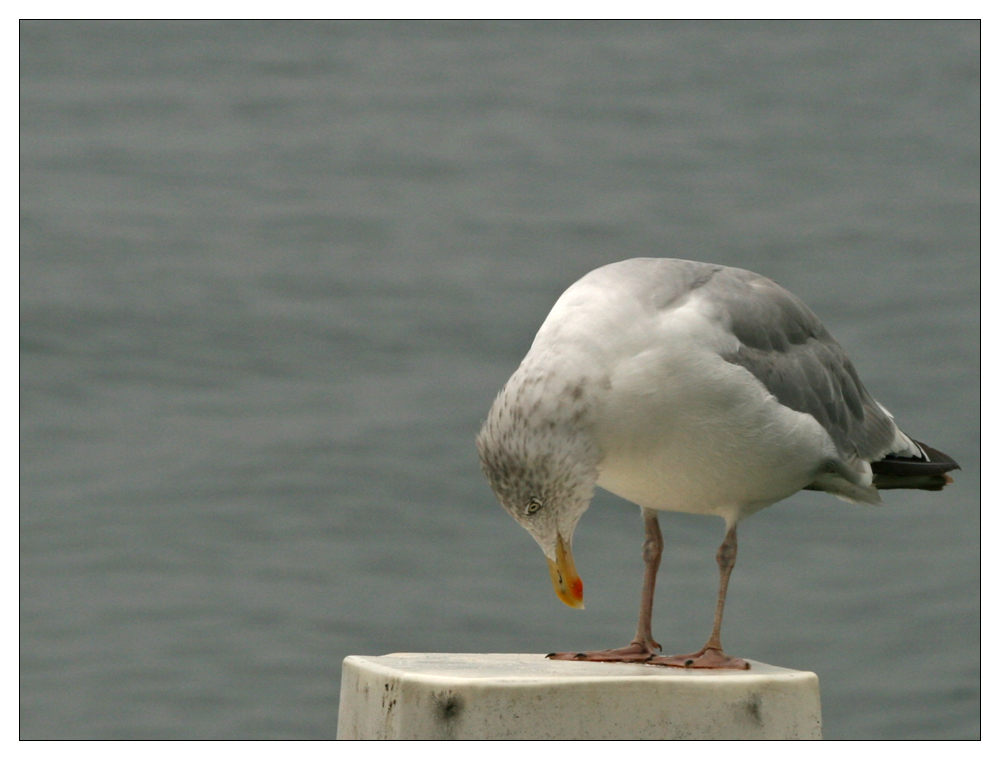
785	346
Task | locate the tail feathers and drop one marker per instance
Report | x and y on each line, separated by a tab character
927	472
836	485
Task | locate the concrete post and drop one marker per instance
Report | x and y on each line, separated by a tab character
525	696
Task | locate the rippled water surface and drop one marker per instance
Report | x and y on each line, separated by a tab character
272	275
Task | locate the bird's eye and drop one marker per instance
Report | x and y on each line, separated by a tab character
533	506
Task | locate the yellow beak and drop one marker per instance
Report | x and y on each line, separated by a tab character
565	581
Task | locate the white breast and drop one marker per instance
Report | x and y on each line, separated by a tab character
682	429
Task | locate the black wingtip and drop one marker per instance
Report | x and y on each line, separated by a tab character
938	457
926	473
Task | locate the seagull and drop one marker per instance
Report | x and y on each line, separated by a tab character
685	387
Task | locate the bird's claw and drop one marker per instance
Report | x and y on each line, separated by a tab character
709	658
637	652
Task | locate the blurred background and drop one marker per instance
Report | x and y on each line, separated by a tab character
273	274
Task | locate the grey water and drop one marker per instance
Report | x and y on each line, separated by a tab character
273	274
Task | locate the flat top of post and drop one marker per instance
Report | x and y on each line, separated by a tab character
534	667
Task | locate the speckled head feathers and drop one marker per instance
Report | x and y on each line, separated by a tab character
539	455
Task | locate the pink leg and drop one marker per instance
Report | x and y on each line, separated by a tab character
711	655
643	647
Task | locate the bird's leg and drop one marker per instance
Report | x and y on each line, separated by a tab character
711	655
652	552
643	647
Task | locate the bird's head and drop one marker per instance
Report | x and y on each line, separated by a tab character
543	471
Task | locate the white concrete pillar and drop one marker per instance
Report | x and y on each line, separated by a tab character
525	696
